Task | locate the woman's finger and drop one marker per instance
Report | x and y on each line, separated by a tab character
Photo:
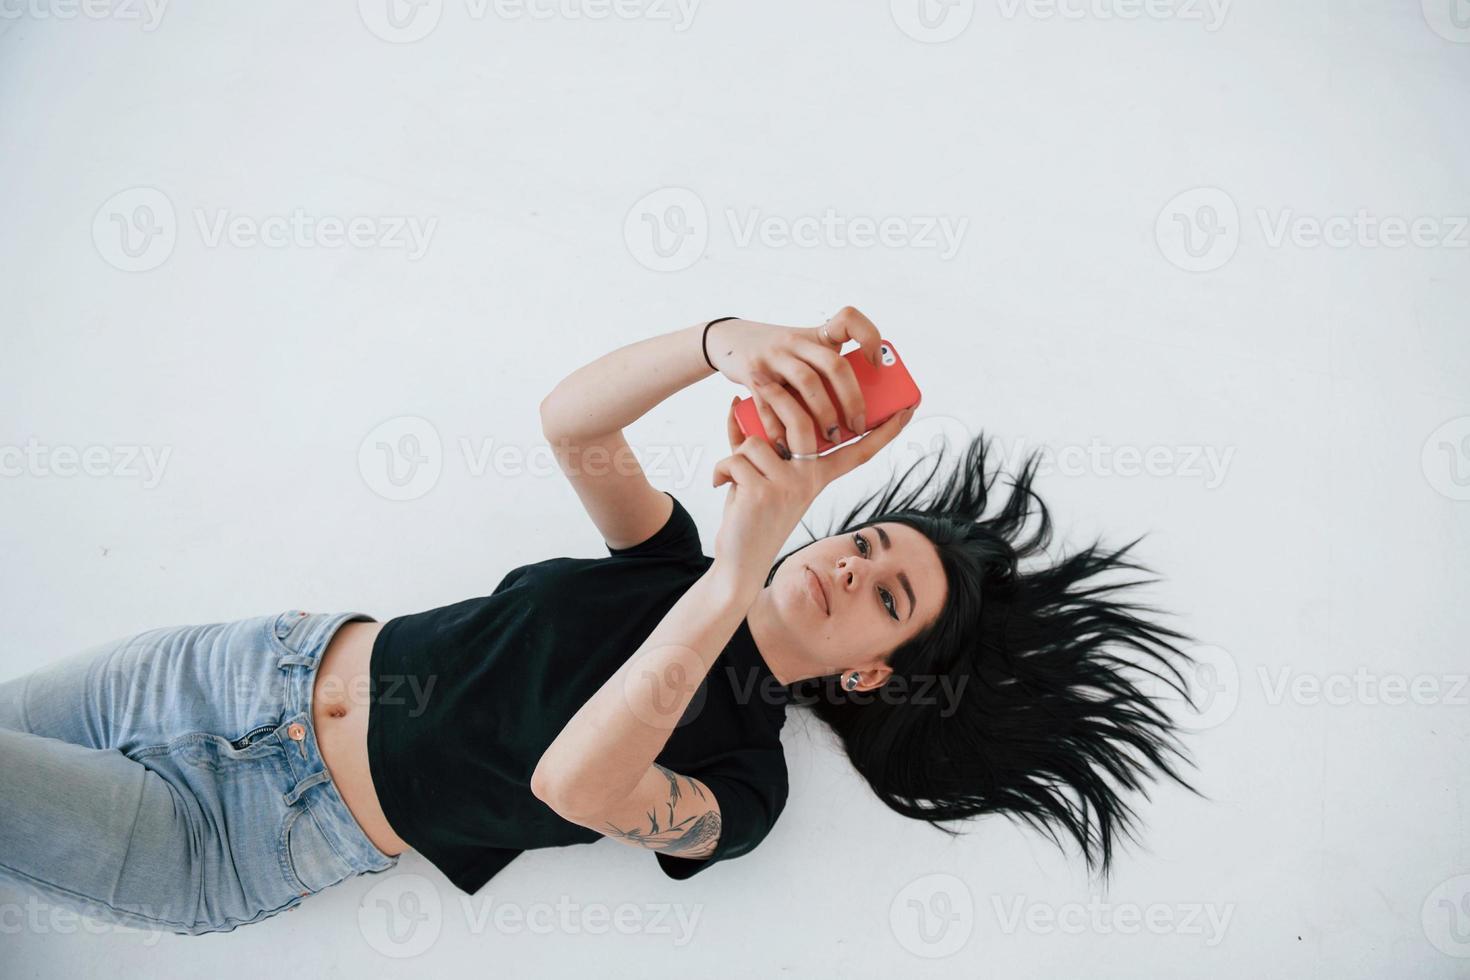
736	469
849	324
732	426
801	431
762	456
854	454
770	421
806	380
839	376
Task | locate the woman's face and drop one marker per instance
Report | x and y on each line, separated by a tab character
844	602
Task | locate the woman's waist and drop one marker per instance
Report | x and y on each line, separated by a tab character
340	705
342	682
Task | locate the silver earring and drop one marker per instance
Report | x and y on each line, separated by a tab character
852	682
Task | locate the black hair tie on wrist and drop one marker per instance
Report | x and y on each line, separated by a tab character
704	341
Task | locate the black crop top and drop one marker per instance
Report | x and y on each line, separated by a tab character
466	697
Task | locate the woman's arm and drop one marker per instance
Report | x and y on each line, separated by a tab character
596	770
615	390
583	418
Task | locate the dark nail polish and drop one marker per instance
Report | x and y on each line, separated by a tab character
781	450
832	432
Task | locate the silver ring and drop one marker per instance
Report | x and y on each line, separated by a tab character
828	337
806	455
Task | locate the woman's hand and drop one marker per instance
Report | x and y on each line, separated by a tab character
768	495
765	357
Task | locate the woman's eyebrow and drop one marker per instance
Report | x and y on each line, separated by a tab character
903	579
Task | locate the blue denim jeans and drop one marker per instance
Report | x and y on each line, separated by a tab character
171	780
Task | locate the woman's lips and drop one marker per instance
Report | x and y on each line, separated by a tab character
817	590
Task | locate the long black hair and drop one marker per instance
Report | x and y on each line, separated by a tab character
1053	723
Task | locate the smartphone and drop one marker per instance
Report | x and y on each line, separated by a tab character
887	390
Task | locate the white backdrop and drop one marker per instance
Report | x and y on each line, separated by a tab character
1211	257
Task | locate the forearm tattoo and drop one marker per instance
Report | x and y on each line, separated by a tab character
695	833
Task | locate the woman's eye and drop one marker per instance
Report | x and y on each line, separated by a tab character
883	594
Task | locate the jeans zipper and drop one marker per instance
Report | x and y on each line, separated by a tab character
244	741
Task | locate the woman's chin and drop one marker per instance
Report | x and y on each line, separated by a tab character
799	603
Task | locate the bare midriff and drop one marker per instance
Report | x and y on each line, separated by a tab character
339	712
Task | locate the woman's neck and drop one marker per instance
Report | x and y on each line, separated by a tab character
773	645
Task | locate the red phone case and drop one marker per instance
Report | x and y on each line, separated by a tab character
887	390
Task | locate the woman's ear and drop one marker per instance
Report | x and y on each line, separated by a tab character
868	679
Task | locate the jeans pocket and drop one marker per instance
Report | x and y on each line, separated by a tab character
311	856
281	631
